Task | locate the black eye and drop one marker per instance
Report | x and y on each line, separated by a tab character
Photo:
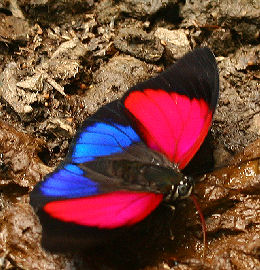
185	187
183	190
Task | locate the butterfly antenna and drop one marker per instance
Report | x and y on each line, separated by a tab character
203	223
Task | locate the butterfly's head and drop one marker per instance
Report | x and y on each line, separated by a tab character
181	190
185	187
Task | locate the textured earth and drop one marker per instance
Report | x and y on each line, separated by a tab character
61	60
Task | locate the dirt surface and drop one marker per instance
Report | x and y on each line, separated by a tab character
61	60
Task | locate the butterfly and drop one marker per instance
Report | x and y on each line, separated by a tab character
128	157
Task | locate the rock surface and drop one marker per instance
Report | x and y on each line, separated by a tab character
176	43
138	43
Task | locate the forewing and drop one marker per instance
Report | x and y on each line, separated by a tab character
173	111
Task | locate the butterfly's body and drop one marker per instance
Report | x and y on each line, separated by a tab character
138	175
127	157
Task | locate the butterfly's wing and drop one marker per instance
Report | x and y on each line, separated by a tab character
94	199
170	113
173	112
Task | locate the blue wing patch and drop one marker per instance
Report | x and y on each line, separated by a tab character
102	139
68	182
106	132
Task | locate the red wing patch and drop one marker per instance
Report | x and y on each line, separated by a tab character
110	210
170	122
